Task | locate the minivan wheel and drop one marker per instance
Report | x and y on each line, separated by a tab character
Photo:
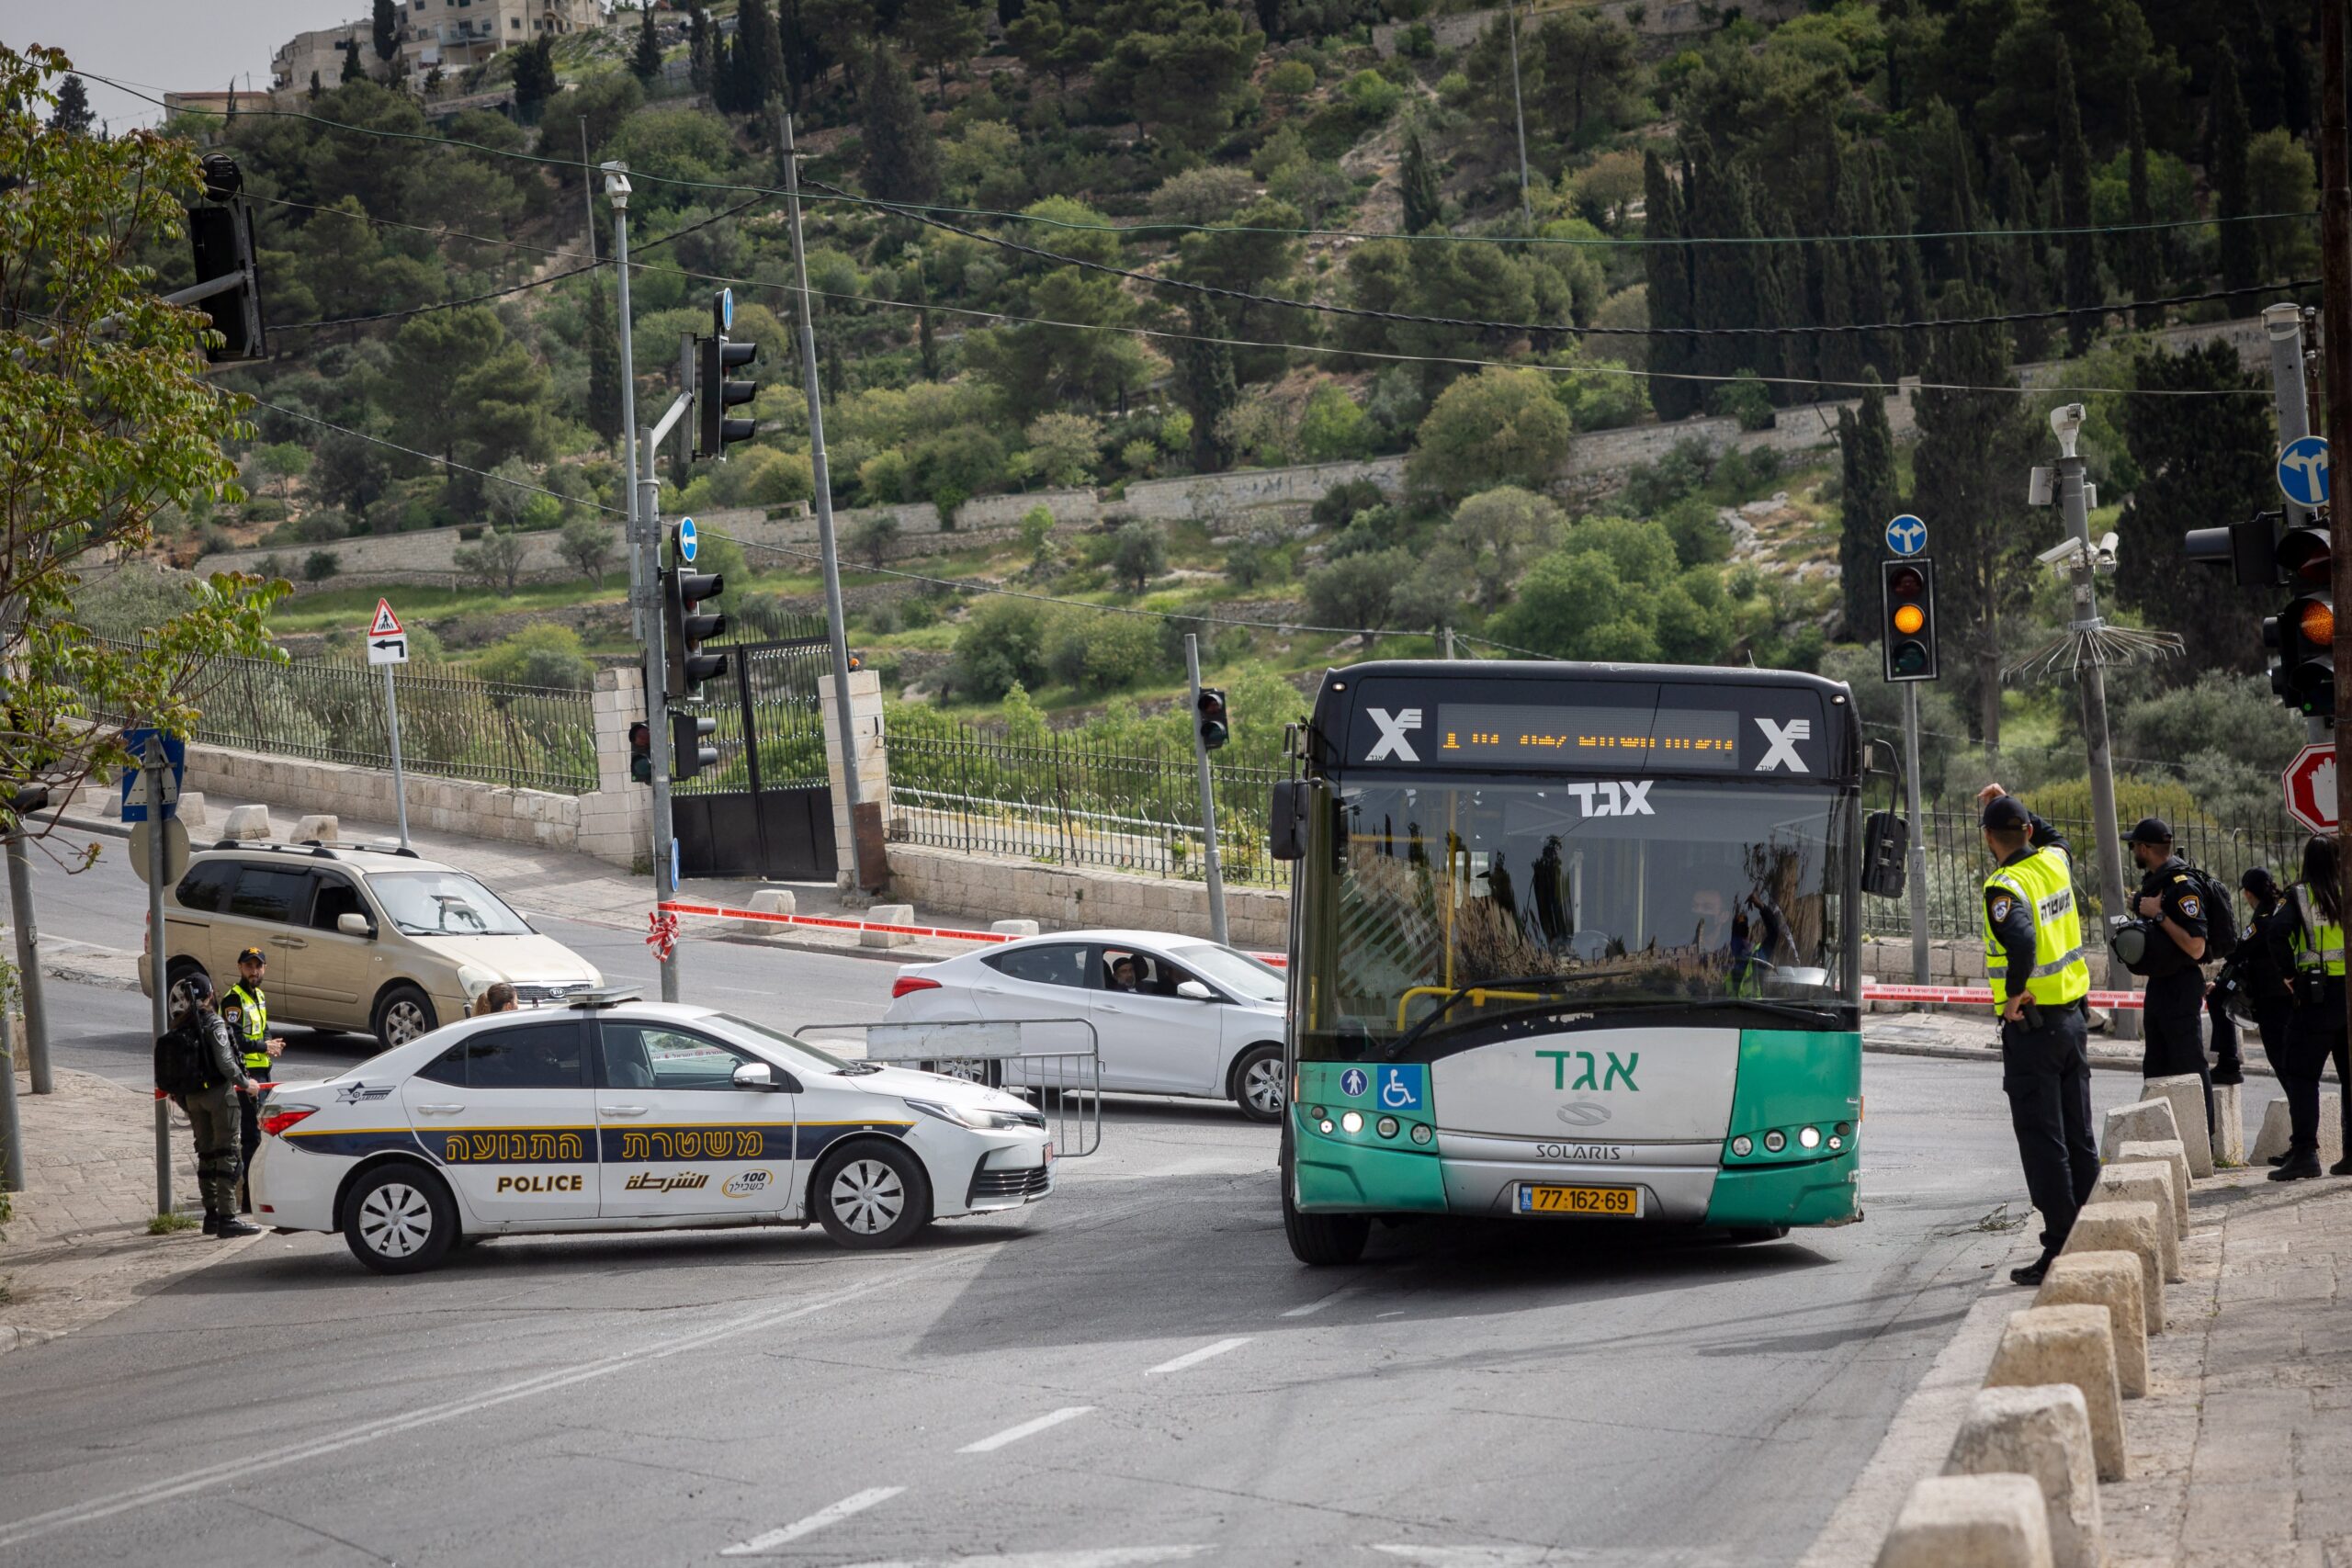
176	1001
1258	1085
403	1015
399	1219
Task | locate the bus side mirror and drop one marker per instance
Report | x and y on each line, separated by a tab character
1878	759
1887	844
1286	820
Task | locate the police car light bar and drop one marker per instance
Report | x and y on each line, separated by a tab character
607	996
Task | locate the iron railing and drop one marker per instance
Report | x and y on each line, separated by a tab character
452	726
1957	864
1064	802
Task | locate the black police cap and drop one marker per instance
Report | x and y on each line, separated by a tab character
2007	811
2149	831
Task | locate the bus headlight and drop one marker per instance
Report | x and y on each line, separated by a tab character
1774	1142
1352	1120
1387	1126
1835	1142
1743	1146
1323	1125
1810	1137
1421	1134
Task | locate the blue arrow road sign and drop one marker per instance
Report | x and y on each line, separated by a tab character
2302	471
1906	535
135	780
689	540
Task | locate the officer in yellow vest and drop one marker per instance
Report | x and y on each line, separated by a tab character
2308	942
245	1009
2033	955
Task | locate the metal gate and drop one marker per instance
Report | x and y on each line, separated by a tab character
1056	1064
767	809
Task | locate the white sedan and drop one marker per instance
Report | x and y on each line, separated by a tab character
1172	1014
610	1113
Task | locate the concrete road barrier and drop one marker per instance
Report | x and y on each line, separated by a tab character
889	915
1970	1521
2145	1182
324	828
2275	1129
2169	1154
770	901
2127	1227
2044	1433
2111	1279
2186	1093
1014	927
191	809
2145	1121
2068	1345
246	822
2228	1125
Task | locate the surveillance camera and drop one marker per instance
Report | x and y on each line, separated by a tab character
2066	422
617	184
2103	556
2061	554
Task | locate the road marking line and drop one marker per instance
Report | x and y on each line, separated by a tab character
856	1502
1027	1429
1101	1557
1311	1308
1194	1358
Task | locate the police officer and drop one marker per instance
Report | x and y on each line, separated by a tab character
2033	952
2308	941
212	1118
245	1009
2175	1017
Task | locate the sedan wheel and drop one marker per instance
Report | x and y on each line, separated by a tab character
399	1220
1258	1088
873	1196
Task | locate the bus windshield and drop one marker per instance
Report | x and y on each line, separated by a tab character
1601	895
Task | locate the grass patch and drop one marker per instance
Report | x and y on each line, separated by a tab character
164	1224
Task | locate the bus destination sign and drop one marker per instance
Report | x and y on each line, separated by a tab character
1700	739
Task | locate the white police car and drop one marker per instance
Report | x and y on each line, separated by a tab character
611	1113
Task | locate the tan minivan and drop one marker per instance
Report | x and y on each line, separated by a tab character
370	940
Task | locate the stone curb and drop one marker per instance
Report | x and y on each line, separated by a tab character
1962	1053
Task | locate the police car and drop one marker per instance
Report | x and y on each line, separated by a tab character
610	1113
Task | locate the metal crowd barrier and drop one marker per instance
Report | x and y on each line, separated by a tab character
1037	1058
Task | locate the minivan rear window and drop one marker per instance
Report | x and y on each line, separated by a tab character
204	886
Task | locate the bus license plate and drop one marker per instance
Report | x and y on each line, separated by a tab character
1598	1202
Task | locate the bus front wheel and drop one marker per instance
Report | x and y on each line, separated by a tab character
1321	1239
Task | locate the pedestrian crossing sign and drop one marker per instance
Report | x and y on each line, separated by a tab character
385	624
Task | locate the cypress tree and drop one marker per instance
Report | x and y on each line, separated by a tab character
385	26
1206	387
1908	269
1787	357
315	89
901	157
700	65
2082	291
73	115
1424	204
759	57
1723	277
1869	267
1835	355
603	364
1865	458
1666	270
2143	265
2294	79
645	58
2241	256
352	70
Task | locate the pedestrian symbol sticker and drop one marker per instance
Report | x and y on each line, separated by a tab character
1401	1088
385	624
1351	1083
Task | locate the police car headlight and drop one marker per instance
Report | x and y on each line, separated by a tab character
978	1118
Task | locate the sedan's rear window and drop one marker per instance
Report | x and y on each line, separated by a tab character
1056	964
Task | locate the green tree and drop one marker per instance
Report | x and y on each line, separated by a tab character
2075	212
1000	646
1353	593
1065	356
352	70
2203	461
1496	531
645	57
1868	502
2142	266
1667	271
543	655
1064	446
588	545
105	426
875	537
72	115
494	560
759	57
1206	388
901	155
1424	202
2241	250
1333	427
319	565
460	387
535	79
385	25
1497	427
940	31
701	54
1183	75
603	364
1102	652
1139	553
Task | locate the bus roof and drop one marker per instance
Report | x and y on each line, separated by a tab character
1521	715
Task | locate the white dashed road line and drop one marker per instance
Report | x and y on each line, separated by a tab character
1194	1358
1027	1429
1311	1308
856	1502
1104	1557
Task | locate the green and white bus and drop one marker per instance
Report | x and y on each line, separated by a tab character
1572	940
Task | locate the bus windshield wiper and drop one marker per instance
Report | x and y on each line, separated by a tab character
1514	983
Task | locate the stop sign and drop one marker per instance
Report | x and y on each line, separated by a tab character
2311	787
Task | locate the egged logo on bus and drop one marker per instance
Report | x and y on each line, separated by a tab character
1591	1075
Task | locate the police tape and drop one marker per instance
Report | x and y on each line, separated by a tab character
1936	996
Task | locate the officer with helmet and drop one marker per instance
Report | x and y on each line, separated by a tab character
245	1008
2033	955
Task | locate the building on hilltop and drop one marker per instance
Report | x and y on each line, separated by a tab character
318	52
449	34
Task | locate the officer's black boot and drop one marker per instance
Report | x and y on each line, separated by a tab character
2031	1274
211	1222
2301	1166
2341	1166
231	1227
2229	1071
2276	1160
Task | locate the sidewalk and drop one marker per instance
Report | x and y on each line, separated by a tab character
76	1248
1967	1034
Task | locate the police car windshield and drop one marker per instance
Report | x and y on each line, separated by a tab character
443	903
818	1061
1602	894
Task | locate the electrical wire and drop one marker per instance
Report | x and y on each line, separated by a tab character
850	198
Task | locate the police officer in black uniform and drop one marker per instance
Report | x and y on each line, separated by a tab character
2172	900
2033	934
245	1008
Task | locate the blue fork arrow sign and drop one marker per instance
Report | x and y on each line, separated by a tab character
1906	535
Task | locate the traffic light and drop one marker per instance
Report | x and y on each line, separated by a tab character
714	393
1907	635
220	238
1211	707
640	751
2302	637
690	753
2249	549
686	627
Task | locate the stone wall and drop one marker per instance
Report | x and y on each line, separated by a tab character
997	887
365	795
1887	960
1658	19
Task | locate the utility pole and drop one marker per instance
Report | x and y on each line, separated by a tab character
1519	112
616	189
12	1126
2335	336
28	981
1915	879
834	628
1211	864
2067	423
159	988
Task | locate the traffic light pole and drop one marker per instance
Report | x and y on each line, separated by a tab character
1917	879
2335	337
2116	890
1210	864
2290	392
647	511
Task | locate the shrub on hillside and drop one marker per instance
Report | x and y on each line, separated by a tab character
544	655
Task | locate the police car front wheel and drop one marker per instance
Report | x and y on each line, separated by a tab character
399	1220
872	1196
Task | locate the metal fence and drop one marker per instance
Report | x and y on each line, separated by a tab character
451	724
1064	802
1957	864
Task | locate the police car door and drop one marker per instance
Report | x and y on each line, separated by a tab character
508	1113
680	1136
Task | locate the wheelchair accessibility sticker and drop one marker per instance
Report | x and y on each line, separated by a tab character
1352	1083
1402	1088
